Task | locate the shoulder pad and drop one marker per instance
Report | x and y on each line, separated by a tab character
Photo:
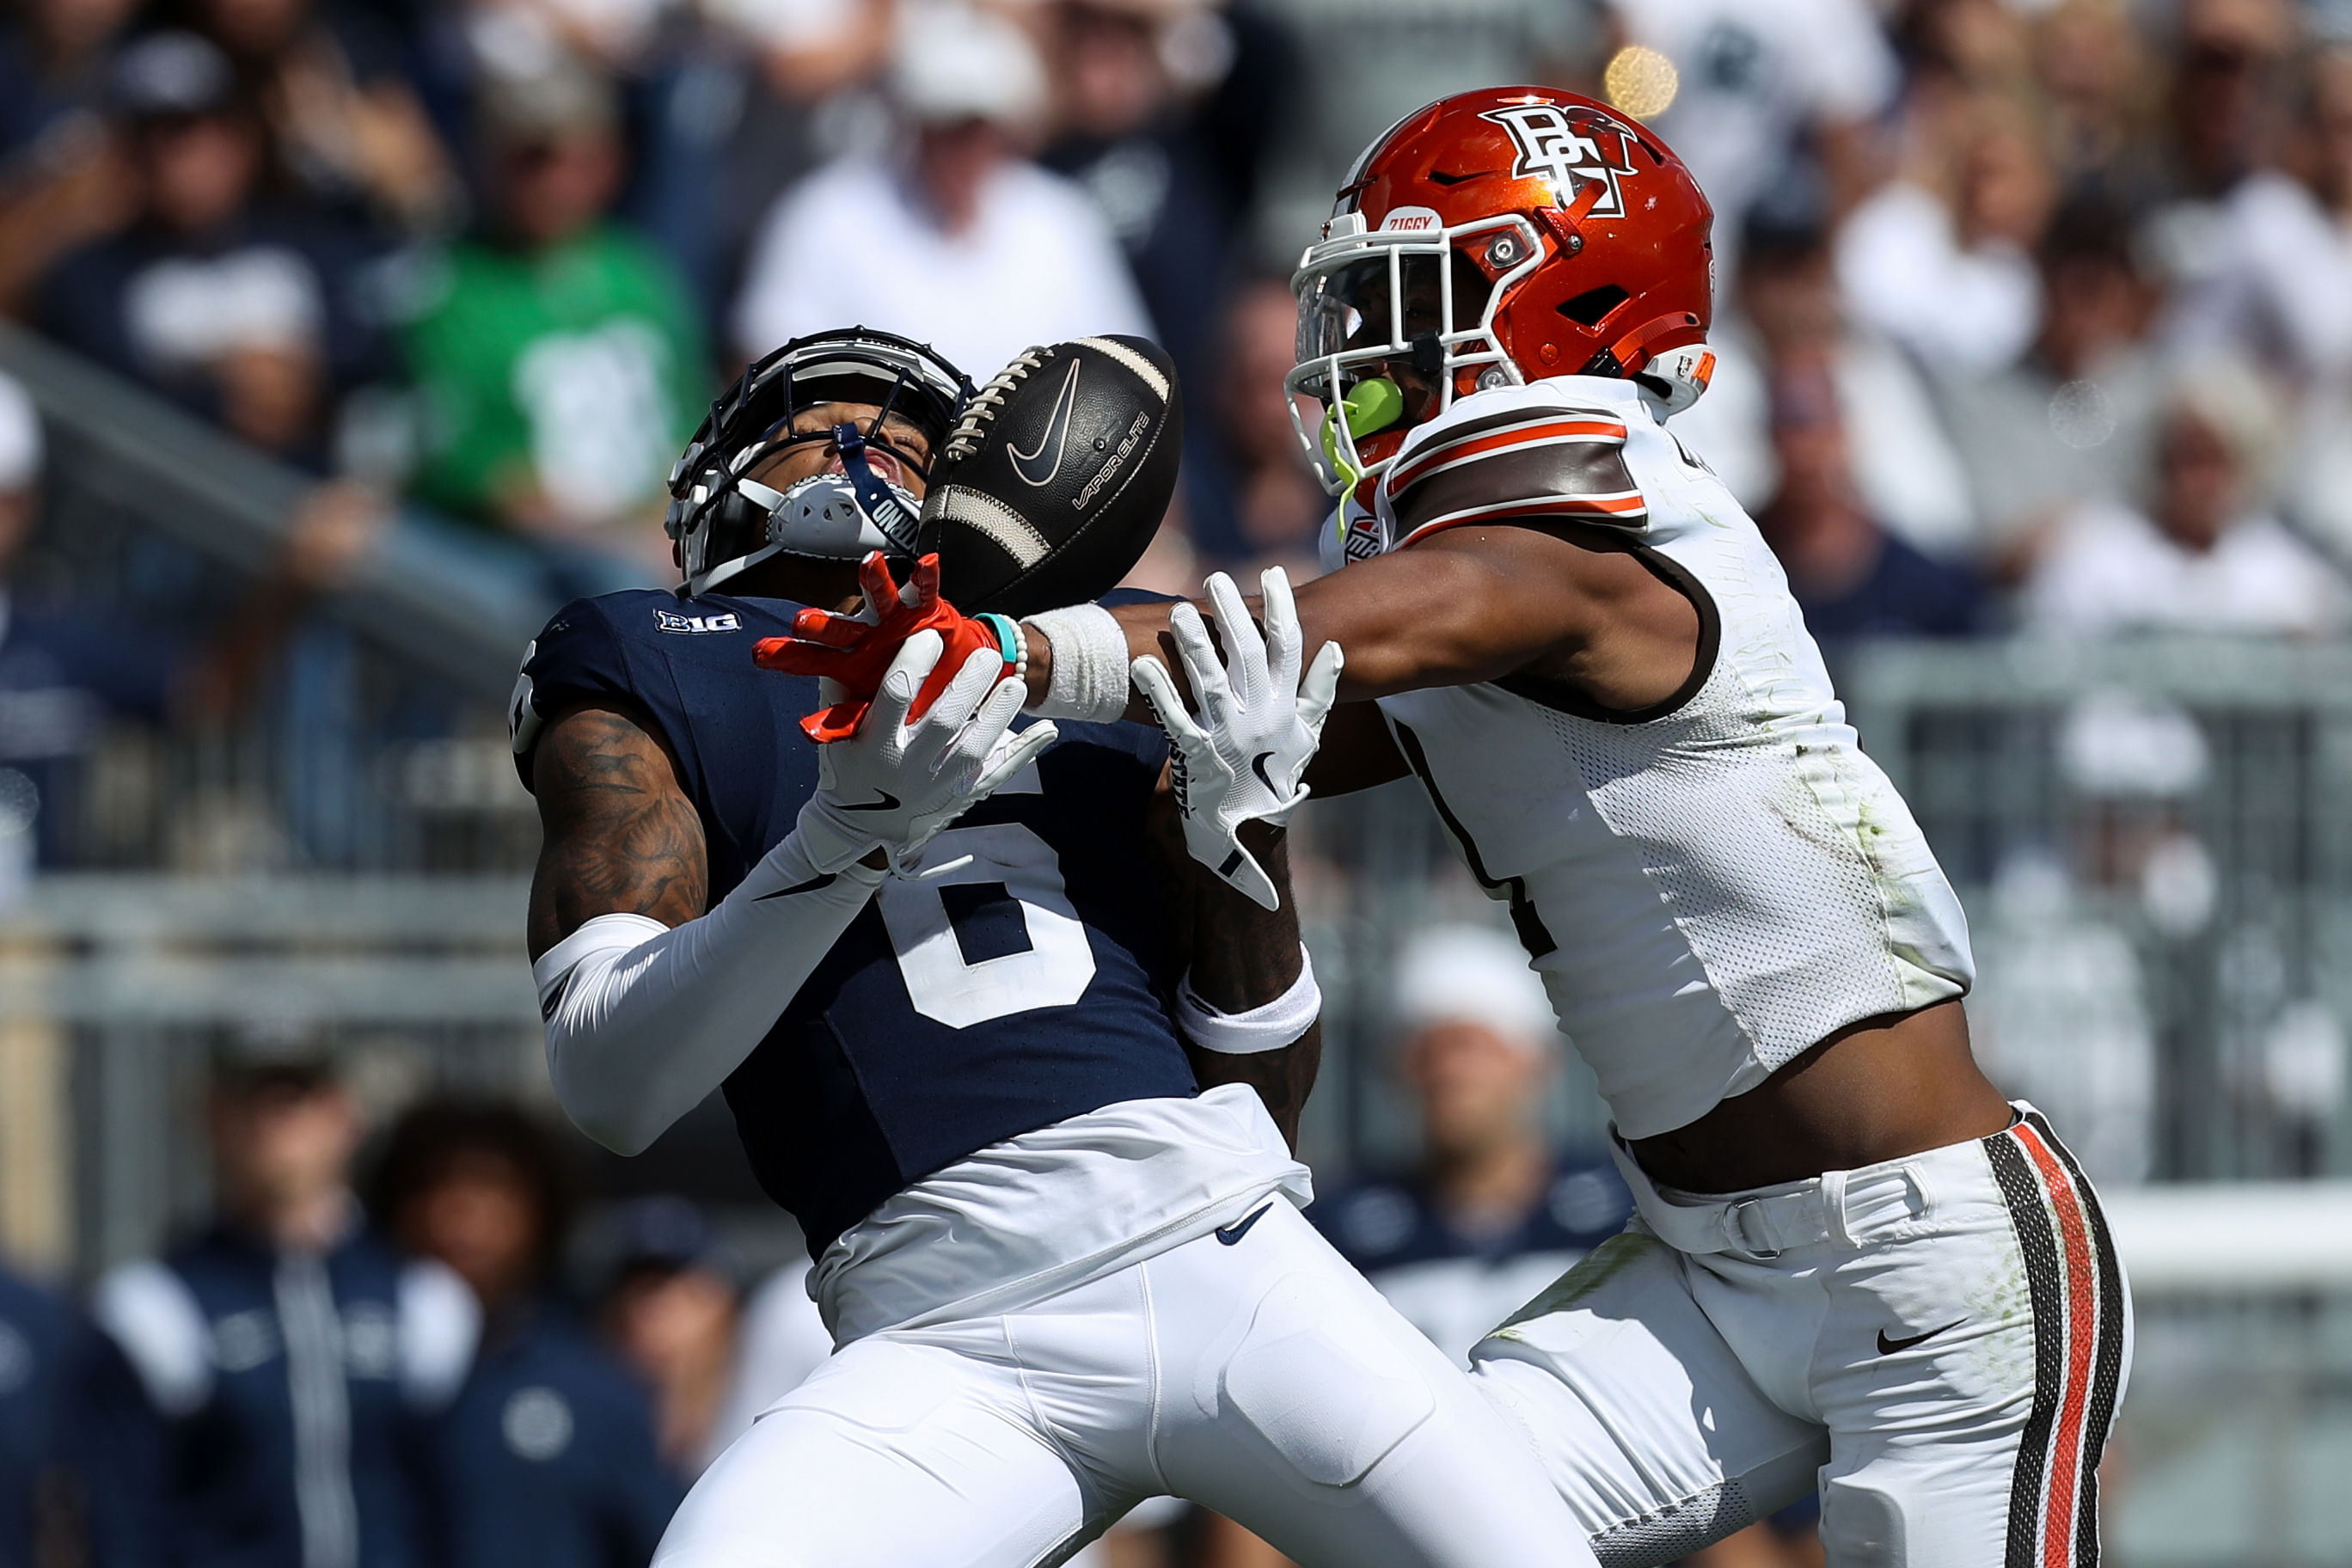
1515	463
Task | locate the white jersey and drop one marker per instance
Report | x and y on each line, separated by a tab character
1708	888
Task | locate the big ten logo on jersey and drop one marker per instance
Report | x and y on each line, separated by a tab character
677	621
1551	149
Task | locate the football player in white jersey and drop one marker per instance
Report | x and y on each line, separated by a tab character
1854	1264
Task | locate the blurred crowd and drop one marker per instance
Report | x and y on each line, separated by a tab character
2031	311
2048	330
493	257
394	1347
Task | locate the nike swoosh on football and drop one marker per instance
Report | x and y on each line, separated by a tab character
1257	766
887	802
1888	1347
1057	435
1231	1234
810	885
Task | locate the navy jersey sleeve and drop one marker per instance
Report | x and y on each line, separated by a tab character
580	655
576	657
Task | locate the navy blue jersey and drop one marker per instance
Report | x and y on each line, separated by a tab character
39	1349
546	1458
1023	988
291	1439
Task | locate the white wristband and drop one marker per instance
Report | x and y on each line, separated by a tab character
1088	682
1269	1027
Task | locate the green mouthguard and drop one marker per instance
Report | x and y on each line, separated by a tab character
1371	406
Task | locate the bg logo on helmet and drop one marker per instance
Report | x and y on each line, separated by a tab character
1551	149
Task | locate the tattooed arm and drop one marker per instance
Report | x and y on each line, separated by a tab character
653	995
618	834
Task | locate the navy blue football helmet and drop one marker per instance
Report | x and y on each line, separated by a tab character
726	523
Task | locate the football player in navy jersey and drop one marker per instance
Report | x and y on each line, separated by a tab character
1062	1275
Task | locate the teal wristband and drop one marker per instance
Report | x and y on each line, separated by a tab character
1008	636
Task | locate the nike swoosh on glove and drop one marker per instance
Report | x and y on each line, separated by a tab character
1259	725
854	651
898	780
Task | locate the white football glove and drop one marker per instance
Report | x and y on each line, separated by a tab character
1258	727
896	784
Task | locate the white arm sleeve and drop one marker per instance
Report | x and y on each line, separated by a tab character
644	1020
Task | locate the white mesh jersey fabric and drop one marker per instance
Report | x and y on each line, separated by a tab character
1725	886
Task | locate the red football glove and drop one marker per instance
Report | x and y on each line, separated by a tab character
855	653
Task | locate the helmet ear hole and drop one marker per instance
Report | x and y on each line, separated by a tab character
1586	310
739	527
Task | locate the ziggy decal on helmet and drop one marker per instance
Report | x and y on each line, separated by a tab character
1551	149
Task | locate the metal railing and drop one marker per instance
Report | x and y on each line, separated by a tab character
370	749
114	448
2153	843
116	989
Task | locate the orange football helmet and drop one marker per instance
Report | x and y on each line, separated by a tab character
1492	238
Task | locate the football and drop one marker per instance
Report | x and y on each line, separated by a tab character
1057	478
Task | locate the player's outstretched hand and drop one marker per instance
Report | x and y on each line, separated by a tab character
854	651
899	779
1242	759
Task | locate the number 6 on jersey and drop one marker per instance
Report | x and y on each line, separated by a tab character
945	984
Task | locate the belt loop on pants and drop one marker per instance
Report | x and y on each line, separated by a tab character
1759	1226
1748	1229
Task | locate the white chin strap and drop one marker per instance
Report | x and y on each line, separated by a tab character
1674	380
819	516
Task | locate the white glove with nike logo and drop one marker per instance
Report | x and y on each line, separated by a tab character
896	784
1259	724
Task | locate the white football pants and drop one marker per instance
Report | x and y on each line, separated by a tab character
1938	1343
1259	1376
